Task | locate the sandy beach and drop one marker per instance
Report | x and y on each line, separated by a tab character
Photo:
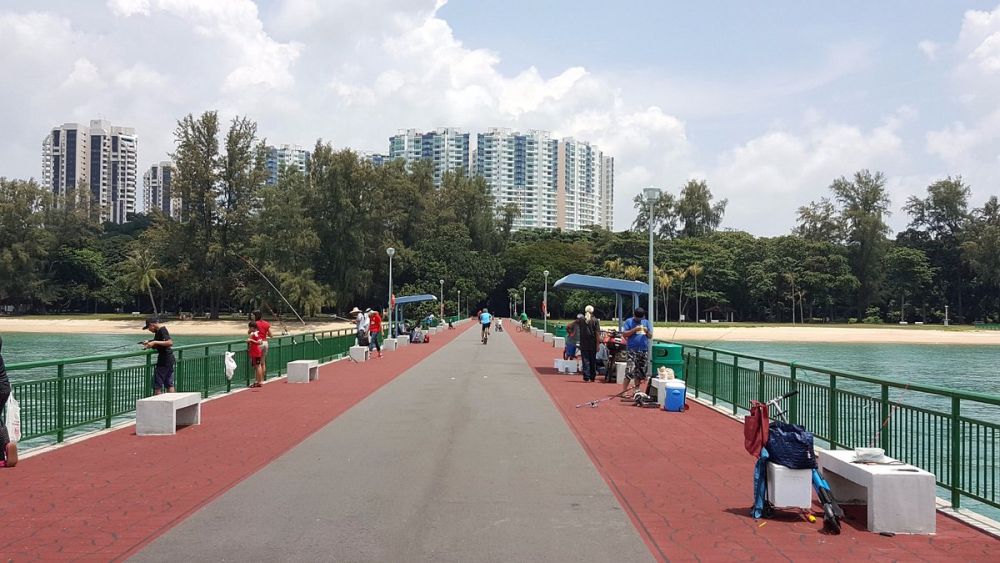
180	328
717	333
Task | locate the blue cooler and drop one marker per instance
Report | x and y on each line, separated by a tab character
676	390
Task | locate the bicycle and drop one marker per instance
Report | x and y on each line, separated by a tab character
485	333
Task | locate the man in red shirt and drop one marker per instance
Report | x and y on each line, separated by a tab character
375	331
264	331
255	353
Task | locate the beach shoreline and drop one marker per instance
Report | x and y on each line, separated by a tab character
713	333
134	326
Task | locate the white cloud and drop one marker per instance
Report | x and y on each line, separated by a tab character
774	174
929	49
127	8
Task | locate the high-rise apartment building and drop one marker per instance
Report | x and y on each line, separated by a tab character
99	160
285	156
520	170
158	190
585	185
447	149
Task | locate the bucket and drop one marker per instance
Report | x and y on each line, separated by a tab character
675	390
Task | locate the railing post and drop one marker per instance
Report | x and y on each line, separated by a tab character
179	369
760	381
882	425
715	377
204	375
697	371
793	405
833	418
60	412
149	375
107	395
735	386
956	452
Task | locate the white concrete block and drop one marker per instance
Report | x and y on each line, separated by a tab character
359	353
547	337
403	340
620	371
389	344
900	498
558	342
160	415
303	371
661	390
789	488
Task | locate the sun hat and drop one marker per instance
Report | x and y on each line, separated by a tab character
354	311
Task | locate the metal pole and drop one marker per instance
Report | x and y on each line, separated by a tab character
442	300
651	195
390	251
545	303
524	304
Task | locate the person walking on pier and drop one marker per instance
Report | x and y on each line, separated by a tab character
637	330
264	331
590	335
572	338
375	331
163	373
8	449
362	326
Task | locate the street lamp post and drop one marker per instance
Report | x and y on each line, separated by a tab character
945	315
442	299
458	304
392	330
545	303
524	304
652	194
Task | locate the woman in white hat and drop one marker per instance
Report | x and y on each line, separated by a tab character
362	326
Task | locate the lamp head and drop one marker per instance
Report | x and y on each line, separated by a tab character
545	273
390	251
651	193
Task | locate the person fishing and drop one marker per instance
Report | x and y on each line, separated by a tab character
637	330
590	336
163	373
255	351
264	331
8	449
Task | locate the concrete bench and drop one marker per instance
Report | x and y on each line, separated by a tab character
303	371
547	337
900	497
160	415
359	353
389	344
402	340
559	342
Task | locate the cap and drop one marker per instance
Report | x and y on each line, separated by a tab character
149	321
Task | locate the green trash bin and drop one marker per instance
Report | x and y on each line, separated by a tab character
668	355
560	331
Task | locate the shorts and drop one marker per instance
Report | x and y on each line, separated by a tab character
635	368
571	350
486	326
263	349
256	361
163	377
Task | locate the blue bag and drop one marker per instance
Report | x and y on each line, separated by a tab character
791	445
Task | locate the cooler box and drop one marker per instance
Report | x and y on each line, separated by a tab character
675	391
789	488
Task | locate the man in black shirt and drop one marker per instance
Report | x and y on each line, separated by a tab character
163	373
589	329
8	449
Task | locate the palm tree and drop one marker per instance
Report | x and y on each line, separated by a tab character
790	277
694	270
679	274
664	281
615	267
141	274
634	272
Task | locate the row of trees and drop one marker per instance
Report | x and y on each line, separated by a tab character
321	238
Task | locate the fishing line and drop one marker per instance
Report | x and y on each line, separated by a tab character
274	287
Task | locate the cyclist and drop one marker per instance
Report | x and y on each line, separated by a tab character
486	320
524	321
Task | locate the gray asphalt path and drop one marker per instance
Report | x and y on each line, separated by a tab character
461	458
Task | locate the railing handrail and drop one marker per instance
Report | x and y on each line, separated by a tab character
916	387
142	353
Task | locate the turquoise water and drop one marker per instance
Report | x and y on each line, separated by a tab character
22	347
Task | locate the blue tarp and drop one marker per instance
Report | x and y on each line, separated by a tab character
618	287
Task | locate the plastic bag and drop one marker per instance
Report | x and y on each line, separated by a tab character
791	445
13	419
230	365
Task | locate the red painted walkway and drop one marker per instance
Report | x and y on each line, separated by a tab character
105	497
687	483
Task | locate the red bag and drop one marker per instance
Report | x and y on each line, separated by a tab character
755	426
427	338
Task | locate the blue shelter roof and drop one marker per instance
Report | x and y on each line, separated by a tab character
603	285
414	299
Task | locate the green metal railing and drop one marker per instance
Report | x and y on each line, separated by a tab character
952	434
57	396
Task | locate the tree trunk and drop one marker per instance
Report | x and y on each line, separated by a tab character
697	310
151	300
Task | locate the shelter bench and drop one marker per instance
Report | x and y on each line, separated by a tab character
900	497
160	415
303	371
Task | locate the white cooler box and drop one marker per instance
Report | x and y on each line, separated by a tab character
789	488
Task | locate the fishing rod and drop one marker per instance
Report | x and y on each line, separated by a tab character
595	402
284	327
274	287
113	348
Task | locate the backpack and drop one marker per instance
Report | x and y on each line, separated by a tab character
790	445
362	338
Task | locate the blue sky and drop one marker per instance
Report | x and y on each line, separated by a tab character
768	101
